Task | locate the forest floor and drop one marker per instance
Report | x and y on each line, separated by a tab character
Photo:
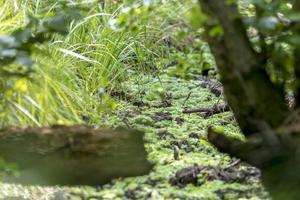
186	165
166	108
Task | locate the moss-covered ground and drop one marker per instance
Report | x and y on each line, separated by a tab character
155	105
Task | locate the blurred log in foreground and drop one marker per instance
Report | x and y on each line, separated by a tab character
78	155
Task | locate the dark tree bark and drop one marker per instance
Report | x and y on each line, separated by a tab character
247	86
258	104
296	6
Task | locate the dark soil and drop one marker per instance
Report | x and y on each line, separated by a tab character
237	172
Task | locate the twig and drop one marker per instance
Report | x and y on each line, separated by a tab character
218	108
176	152
187	98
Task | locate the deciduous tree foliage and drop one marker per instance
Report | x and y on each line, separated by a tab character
258	58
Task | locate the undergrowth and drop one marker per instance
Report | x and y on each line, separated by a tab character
78	75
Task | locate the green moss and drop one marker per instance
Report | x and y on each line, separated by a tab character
162	135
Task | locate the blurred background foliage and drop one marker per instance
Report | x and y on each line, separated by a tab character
273	27
65	62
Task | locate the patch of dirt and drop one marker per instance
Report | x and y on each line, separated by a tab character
212	85
130	194
121	95
166	102
160	116
179	120
186	176
235	173
194	135
184	145
163	135
140	104
231	174
179	143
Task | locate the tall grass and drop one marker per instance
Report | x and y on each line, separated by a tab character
75	74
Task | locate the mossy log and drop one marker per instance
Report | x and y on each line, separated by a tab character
78	155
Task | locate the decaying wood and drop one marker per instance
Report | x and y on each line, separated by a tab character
78	155
212	85
218	108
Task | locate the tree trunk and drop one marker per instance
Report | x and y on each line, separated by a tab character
259	105
247	86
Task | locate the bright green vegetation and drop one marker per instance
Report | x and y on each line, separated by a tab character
99	72
76	73
161	136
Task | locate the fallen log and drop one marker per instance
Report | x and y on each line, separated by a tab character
218	108
78	155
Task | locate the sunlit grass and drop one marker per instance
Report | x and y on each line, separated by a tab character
76	73
11	16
